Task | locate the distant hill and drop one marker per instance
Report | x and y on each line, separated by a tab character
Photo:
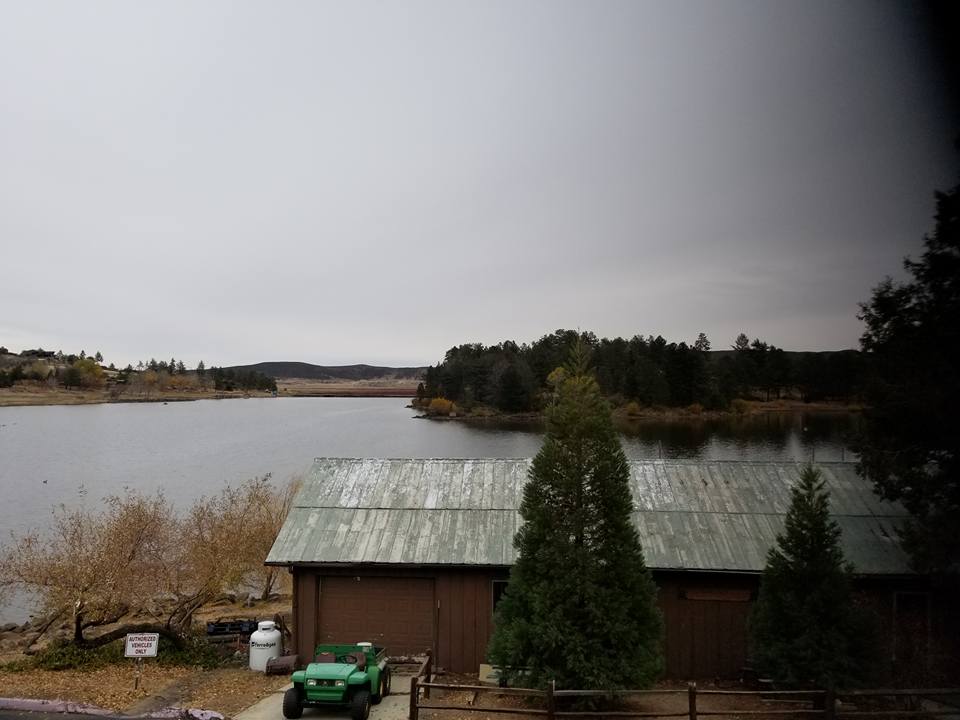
306	371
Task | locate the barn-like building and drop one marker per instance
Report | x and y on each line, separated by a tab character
414	554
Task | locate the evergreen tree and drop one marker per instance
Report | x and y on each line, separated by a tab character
910	446
580	608
805	627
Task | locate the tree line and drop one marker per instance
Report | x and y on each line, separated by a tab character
73	371
649	370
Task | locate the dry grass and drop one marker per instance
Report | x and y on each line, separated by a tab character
110	687
226	690
230	690
23	395
657	703
296	387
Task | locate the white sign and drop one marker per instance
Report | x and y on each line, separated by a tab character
141	645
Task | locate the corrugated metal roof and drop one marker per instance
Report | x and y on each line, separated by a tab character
691	515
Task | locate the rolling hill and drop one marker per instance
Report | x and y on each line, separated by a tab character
307	371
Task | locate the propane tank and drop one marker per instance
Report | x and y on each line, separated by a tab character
264	644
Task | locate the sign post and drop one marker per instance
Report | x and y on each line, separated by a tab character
139	646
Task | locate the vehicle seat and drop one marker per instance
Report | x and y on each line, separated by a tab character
359	659
325	657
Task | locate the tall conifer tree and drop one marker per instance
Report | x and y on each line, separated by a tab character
806	628
580	608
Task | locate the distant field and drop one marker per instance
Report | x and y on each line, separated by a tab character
300	387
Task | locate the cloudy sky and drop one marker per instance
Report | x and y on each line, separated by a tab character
341	182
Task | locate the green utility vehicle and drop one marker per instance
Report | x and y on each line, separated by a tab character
344	675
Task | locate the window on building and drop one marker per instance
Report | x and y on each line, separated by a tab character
499	586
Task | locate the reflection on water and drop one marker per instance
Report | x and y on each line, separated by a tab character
797	436
769	436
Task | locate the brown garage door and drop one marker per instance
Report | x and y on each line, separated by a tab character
396	613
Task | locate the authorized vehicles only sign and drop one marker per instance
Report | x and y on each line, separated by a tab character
141	645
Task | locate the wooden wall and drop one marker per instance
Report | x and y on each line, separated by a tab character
705	619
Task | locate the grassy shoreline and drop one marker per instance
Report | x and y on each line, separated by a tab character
26	396
746	408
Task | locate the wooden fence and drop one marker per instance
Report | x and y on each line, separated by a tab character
824	701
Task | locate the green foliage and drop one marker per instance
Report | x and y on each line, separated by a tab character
650	371
805	626
71	377
65	655
580	607
69	656
910	447
228	379
195	652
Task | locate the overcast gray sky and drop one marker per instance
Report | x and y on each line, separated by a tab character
341	182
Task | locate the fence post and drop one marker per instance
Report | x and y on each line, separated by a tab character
829	703
414	709
550	700
692	700
429	676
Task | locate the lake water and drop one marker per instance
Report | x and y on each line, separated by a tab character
79	454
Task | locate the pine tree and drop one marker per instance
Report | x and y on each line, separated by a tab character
805	627
580	608
910	447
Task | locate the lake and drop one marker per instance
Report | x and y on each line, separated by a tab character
78	454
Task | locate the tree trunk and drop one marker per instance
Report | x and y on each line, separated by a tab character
78	628
116	633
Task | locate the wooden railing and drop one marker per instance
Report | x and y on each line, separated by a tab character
824	701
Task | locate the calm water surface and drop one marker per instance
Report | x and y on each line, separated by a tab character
78	454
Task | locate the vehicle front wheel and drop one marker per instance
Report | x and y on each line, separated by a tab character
292	704
386	682
360	705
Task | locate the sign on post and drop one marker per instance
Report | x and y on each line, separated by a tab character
140	645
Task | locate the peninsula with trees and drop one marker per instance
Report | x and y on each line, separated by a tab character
47	377
642	376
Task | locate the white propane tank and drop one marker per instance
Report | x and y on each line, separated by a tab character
264	644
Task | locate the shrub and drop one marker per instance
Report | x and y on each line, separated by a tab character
740	406
633	409
695	409
65	655
440	406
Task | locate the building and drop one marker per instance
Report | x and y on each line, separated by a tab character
413	554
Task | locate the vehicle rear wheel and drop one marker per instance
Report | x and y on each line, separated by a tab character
360	705
292	704
383	689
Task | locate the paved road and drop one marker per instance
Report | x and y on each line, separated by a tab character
24	715
393	707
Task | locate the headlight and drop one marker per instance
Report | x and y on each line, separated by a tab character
340	683
311	682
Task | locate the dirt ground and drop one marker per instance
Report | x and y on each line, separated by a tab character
667	702
226	690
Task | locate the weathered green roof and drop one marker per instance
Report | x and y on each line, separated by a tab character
691	515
